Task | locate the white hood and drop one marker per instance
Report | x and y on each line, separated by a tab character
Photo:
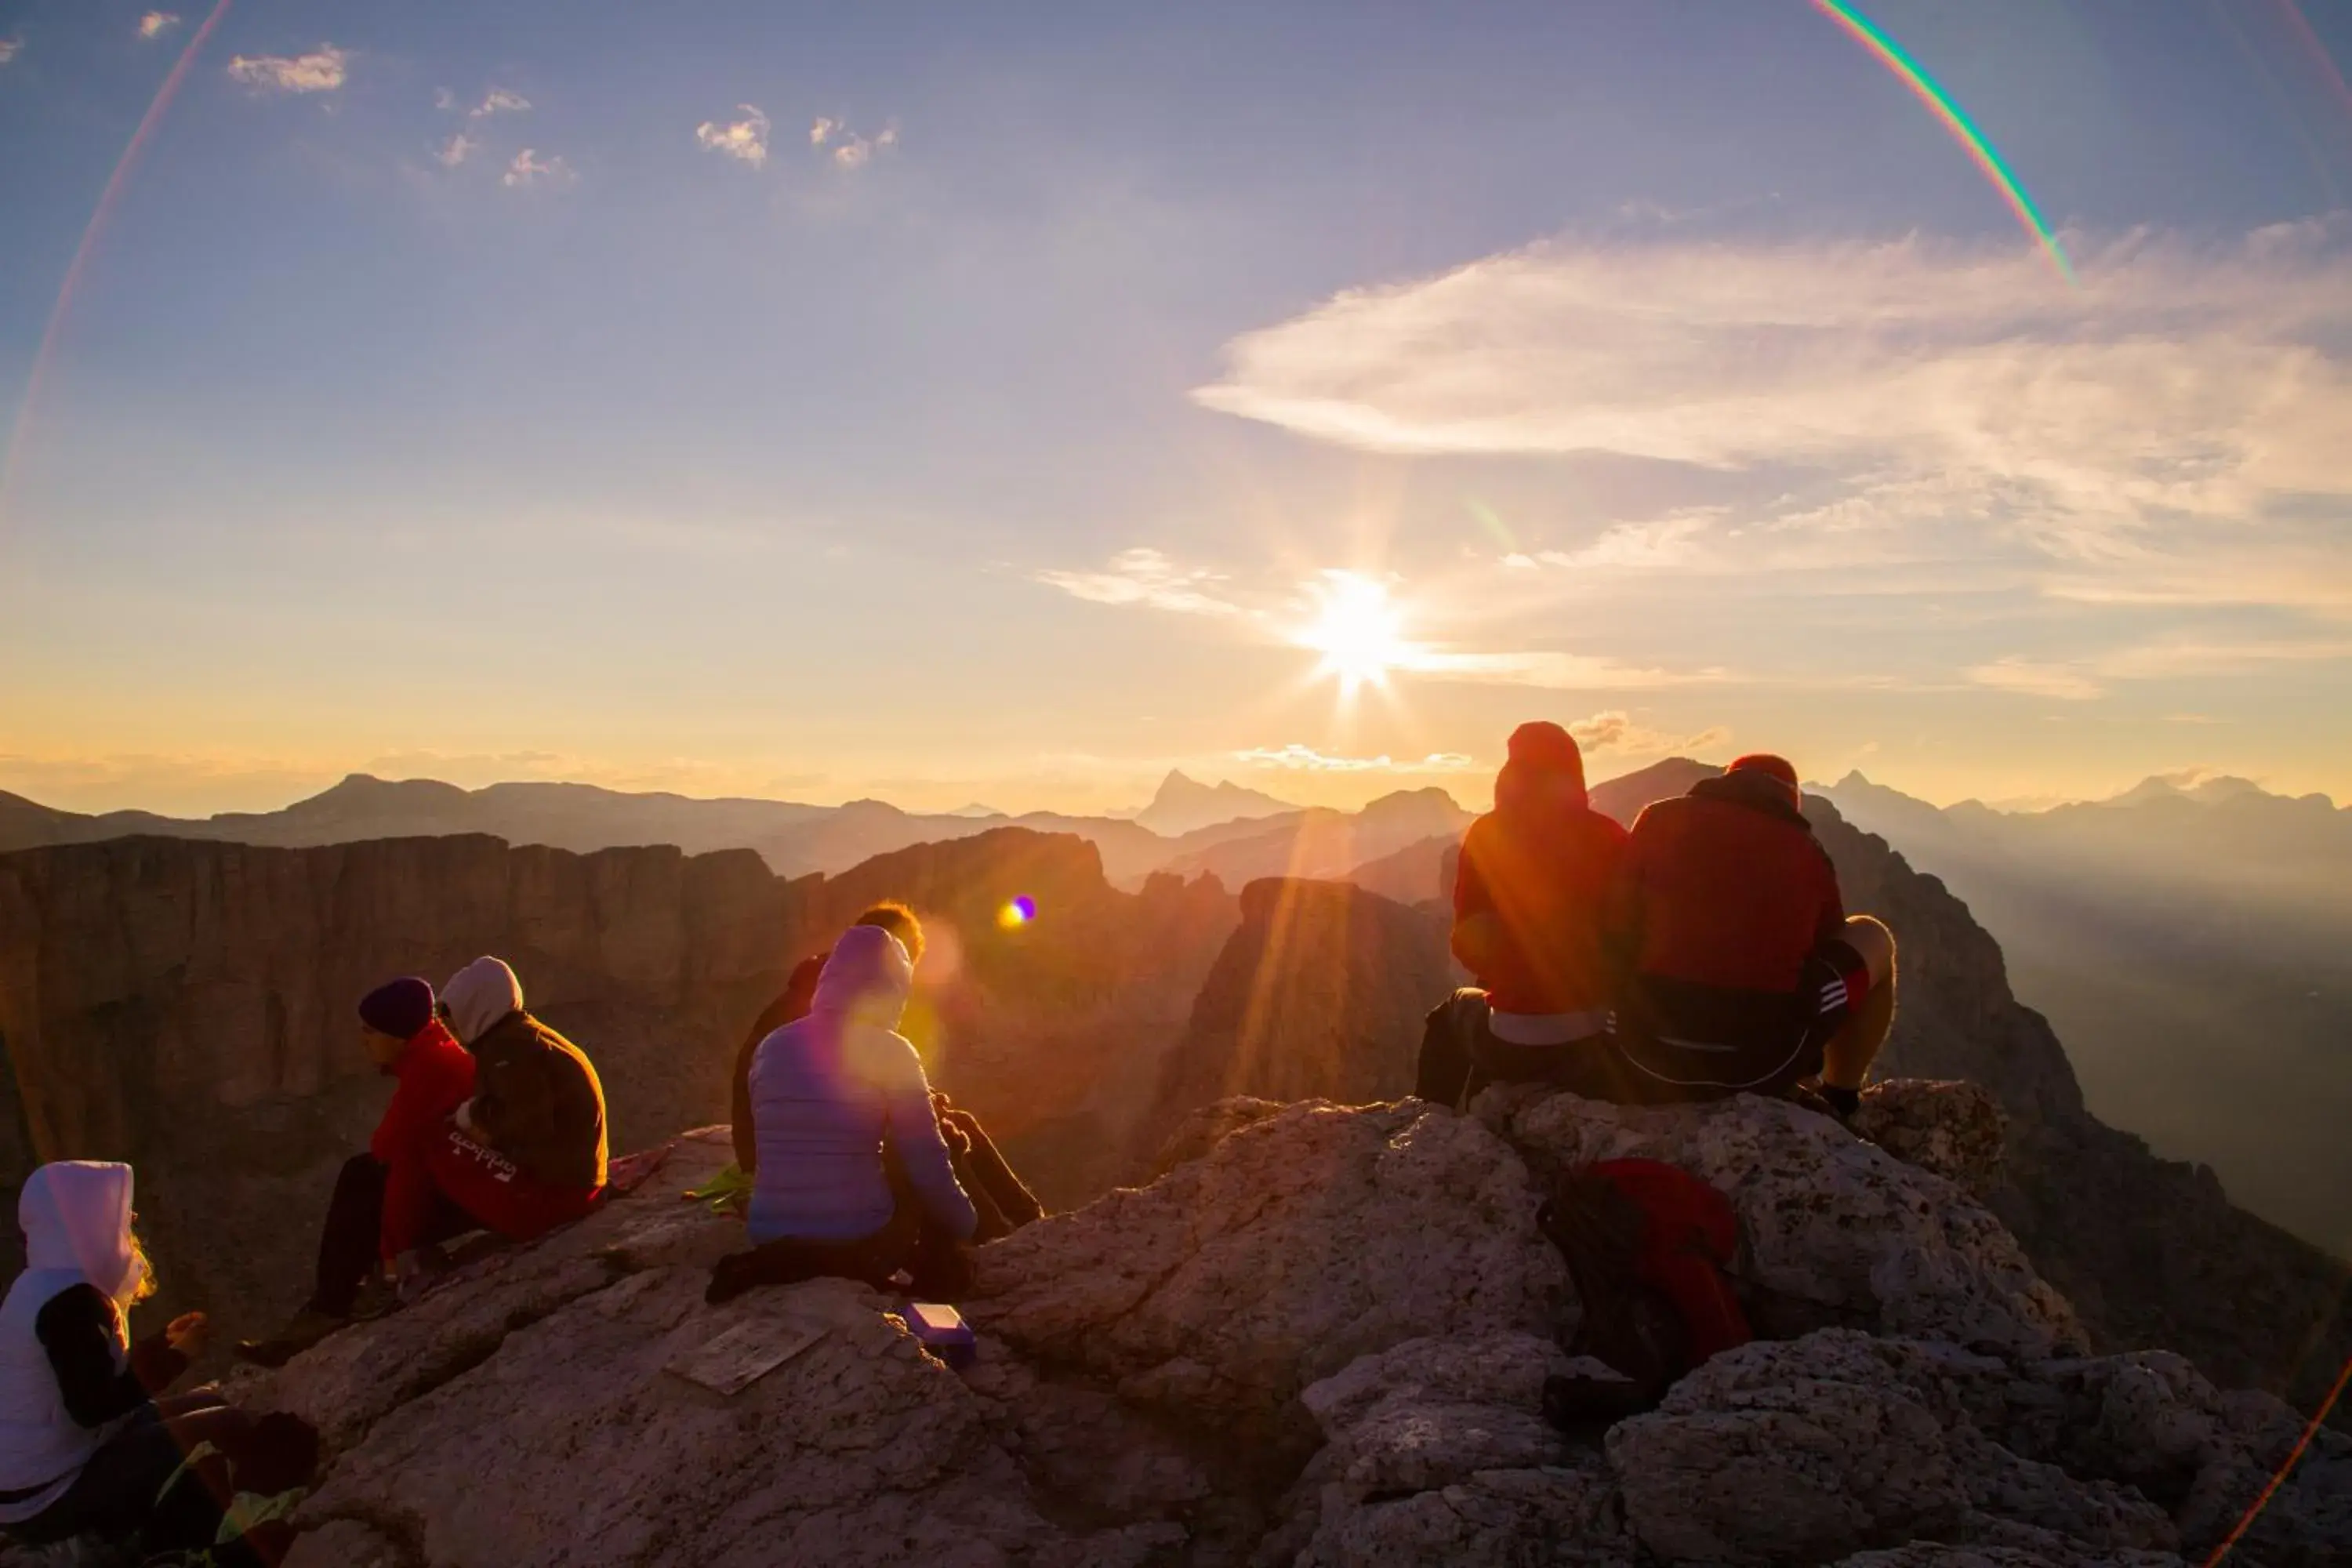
478	995
75	1215
867	976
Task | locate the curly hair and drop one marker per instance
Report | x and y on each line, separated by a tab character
900	922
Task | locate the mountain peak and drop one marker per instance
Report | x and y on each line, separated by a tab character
1183	803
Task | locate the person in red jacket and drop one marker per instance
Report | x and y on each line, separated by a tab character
387	1207
1530	896
1744	971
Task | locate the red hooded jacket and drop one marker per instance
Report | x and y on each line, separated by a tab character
1530	899
436	1076
1724	895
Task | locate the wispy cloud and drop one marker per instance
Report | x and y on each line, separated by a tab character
320	70
498	100
1614	731
10	48
1295	758
849	150
2062	682
2181	383
1670	541
1549	670
155	24
457	150
528	169
745	139
1147	577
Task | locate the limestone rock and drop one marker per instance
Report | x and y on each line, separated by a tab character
1948	1126
1436	1452
1204	1129
1840	1231
1294	1247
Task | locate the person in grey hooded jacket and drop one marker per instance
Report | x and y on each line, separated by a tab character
854	1177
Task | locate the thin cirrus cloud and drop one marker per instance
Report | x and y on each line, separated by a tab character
2087	679
456	150
2183	392
1614	731
1296	758
744	140
1147	577
155	24
529	170
321	70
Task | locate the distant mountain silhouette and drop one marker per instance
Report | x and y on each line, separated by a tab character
1184	805
2193	941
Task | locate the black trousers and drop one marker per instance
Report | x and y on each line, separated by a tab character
1460	1056
116	1497
351	1243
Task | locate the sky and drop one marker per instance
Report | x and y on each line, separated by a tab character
1009	403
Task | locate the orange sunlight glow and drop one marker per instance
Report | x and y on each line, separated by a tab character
1357	629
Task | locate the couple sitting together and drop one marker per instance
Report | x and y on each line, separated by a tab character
1704	955
858	1168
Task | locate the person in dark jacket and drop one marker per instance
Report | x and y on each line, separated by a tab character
1531	898
86	1447
1003	1200
527	1152
387	1208
1744	971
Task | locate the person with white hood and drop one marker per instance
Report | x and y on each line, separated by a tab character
840	1107
528	1151
85	1448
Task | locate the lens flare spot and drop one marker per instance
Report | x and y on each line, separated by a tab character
1018	911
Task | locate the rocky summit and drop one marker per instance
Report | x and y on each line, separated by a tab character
1316	1338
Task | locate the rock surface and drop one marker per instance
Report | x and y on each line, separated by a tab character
1320	1341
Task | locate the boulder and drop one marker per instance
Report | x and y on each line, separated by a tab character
1294	1247
1840	1231
1948	1126
1205	1128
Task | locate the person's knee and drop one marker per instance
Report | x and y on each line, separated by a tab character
1874	943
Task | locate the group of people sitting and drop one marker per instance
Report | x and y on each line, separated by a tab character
1705	954
496	1125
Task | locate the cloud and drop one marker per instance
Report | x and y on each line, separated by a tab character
851	151
1614	731
1549	670
745	139
456	150
1147	577
2175	658
155	24
498	100
444	99
1670	541
2064	682
320	70
2205	384
1296	758
528	169
10	48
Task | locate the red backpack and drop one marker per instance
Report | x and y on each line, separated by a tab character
1653	1250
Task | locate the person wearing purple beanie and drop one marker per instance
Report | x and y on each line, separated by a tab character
387	1206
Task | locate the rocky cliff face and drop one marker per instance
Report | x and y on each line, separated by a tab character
1319	991
1319	1343
187	1006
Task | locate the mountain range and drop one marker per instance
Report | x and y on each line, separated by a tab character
2192	943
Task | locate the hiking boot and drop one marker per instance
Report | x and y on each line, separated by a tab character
305	1329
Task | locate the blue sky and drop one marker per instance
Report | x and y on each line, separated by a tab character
975	402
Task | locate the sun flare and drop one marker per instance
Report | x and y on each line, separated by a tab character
1357	629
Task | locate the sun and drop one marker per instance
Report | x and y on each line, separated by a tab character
1357	629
